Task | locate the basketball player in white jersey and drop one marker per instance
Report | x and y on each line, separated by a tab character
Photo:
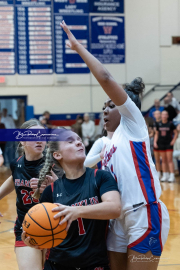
97	151
136	238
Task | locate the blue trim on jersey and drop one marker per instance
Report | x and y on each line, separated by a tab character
144	170
152	241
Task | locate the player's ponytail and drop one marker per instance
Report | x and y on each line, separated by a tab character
134	89
48	165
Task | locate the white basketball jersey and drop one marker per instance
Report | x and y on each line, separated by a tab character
128	157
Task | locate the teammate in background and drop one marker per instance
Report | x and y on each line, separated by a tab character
144	222
96	154
85	244
163	142
23	169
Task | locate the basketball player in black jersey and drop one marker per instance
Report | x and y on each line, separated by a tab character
87	199
165	137
23	169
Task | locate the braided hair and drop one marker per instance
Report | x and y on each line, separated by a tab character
134	89
50	161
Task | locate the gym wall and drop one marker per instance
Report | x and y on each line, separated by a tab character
149	27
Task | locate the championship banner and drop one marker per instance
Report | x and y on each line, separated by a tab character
108	39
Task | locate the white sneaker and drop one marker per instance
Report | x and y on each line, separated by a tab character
171	178
164	177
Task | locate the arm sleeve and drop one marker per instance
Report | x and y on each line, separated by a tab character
1	151
105	182
93	156
132	120
47	195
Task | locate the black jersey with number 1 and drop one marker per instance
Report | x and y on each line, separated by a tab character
85	244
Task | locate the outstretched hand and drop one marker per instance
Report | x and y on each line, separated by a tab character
72	42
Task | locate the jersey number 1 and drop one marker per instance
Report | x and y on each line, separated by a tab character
81	226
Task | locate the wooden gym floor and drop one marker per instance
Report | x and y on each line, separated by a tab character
170	259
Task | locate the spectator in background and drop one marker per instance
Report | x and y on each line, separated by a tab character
157	116
77	126
176	152
43	121
156	107
101	125
176	120
46	116
164	142
7	120
170	109
173	101
10	149
88	132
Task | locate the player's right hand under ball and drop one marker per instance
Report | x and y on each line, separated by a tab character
26	241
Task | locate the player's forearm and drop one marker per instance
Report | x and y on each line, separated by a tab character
91	161
104	211
105	79
6	188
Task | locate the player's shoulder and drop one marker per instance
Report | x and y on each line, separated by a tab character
15	162
101	175
100	141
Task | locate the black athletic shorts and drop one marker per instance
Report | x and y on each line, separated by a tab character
164	147
49	265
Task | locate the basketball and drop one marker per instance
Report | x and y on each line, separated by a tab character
40	225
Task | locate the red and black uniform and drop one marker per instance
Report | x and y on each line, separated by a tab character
22	171
85	245
165	135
